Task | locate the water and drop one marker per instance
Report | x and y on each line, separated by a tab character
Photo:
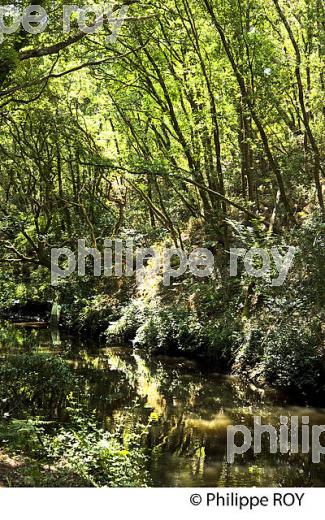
183	409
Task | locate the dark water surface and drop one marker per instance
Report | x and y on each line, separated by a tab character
183	409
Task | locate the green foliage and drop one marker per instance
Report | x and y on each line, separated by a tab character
124	329
221	338
23	435
292	358
96	456
175	330
311	260
171	330
38	383
76	451
96	312
78	454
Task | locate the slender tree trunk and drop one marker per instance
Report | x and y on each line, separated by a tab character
305	115
241	82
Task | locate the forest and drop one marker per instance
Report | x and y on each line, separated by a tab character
178	125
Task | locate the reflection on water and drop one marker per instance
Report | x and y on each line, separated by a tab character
183	409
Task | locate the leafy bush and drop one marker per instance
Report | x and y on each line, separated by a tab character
96	312
221	338
178	330
23	435
292	358
311	260
171	330
125	329
97	457
34	382
76	454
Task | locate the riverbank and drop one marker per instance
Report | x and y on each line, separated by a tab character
272	336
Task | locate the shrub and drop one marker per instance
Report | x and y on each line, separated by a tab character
97	312
221	338
96	457
311	260
125	329
76	454
172	330
34	382
292	360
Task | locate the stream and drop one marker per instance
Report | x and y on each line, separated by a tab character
184	408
